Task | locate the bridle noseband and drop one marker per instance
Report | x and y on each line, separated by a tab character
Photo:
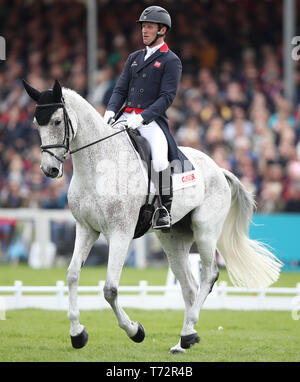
68	126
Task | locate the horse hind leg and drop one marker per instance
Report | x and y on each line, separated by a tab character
177	244
206	235
209	272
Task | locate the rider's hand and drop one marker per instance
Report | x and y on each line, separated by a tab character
109	117
134	121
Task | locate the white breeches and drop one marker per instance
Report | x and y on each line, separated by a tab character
158	143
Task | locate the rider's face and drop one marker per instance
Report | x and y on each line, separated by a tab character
149	31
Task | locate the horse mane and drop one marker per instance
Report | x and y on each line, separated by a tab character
72	98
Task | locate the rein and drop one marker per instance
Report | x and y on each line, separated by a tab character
102	139
68	126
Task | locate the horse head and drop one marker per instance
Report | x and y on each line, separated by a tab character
55	125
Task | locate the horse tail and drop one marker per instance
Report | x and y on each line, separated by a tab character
248	262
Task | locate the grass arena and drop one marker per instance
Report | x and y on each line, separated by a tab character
36	335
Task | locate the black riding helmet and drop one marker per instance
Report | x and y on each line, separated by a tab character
158	15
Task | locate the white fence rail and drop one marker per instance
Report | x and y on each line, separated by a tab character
144	296
42	252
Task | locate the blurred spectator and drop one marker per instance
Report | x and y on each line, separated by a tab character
292	193
13	196
229	102
56	196
293	203
105	85
282	116
215	134
57	199
239	127
220	154
190	133
244	161
271	198
235	95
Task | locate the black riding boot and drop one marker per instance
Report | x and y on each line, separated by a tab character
163	216
163	220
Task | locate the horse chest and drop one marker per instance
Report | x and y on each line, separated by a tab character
99	212
83	203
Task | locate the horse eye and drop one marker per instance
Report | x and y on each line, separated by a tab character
57	122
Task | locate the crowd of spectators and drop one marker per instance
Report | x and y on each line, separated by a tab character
230	101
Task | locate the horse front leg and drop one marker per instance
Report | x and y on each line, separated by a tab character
118	247
85	238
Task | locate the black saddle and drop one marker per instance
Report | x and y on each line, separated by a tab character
147	210
142	146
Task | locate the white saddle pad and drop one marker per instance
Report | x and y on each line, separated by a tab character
186	179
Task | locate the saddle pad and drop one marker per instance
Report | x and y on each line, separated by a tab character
186	179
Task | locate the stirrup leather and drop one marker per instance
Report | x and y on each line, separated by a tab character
156	215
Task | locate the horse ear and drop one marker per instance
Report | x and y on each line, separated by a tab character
57	92
32	92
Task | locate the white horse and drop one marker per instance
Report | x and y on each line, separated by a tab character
215	213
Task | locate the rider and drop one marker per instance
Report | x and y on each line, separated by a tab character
148	86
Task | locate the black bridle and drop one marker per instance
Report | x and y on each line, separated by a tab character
68	127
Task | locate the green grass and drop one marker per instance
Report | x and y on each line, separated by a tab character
92	275
33	335
88	276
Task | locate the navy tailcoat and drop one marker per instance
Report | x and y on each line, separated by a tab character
150	85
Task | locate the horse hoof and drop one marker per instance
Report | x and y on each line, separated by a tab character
140	334
187	341
80	340
177	350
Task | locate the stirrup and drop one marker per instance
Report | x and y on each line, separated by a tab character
154	219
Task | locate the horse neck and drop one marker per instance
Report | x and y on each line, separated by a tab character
90	128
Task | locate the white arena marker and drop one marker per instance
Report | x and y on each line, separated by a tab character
2	309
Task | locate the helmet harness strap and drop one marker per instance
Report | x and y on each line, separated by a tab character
158	35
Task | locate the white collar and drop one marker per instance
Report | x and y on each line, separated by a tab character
150	51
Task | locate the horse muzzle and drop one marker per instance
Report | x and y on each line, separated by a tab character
52	172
